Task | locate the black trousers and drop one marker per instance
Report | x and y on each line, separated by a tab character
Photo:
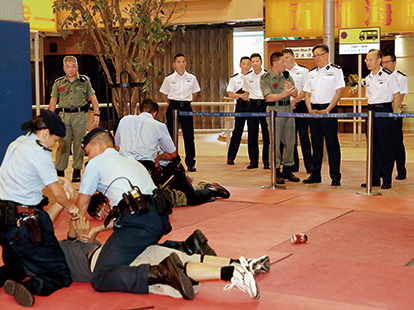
325	128
383	144
302	129
237	134
253	133
45	264
399	147
187	127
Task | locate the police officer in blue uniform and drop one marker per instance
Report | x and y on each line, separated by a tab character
29	245
137	222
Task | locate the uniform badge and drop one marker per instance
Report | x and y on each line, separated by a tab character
276	85
62	88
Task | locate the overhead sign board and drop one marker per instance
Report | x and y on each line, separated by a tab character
39	14
358	40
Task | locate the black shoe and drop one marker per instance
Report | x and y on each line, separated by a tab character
312	180
191	169
267	167
288	175
374	184
294	169
400	177
21	294
280	180
386	186
60	173
230	161
217	190
170	271
196	243
336	183
252	166
76	176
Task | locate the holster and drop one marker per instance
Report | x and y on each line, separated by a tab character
33	224
162	199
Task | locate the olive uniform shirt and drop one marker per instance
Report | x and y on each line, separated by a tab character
72	94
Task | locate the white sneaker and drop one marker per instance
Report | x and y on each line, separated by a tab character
243	278
259	265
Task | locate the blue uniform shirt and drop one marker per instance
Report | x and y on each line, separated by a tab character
106	167
141	137
27	168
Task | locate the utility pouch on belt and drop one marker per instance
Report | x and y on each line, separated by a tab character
33	224
8	215
163	198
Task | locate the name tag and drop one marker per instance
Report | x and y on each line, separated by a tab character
188	81
329	74
173	82
251	81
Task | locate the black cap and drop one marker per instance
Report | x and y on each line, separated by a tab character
92	134
54	123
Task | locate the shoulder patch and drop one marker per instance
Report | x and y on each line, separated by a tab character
336	66
191	73
169	74
58	79
234	75
386	71
401	73
313	68
302	66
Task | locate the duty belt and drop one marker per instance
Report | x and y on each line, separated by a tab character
279	103
257	101
180	103
318	106
84	108
375	106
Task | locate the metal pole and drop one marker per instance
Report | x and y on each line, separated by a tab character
329	27
175	122
272	128
370	139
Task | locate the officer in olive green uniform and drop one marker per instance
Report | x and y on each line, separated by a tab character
277	87
72	91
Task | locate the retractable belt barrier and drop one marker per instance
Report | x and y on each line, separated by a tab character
370	115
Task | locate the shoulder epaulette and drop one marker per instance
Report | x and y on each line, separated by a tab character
83	78
169	74
401	73
249	72
265	74
265	70
336	66
234	75
302	66
387	71
313	68
61	78
44	147
191	73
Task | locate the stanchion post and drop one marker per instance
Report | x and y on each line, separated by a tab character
175	122
369	165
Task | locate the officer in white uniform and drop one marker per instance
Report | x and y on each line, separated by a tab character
257	103
383	95
28	242
299	74
235	90
389	61
323	90
179	89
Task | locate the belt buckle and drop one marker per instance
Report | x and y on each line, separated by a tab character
259	102
72	109
181	104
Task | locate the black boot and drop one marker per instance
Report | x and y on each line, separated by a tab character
20	291
76	176
170	272
217	190
279	179
196	243
288	175
60	173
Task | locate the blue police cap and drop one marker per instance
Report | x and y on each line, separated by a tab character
54	123
92	134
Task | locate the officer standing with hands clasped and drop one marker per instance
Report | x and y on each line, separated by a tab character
179	89
383	95
71	92
30	248
257	103
277	86
323	90
235	90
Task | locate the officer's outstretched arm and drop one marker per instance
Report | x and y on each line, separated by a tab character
60	196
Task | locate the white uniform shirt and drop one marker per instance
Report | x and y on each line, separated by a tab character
251	84
300	76
236	83
323	82
141	137
402	82
380	88
180	87
110	165
27	168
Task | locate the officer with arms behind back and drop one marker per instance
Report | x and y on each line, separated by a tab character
383	95
323	90
29	245
179	89
235	90
72	91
